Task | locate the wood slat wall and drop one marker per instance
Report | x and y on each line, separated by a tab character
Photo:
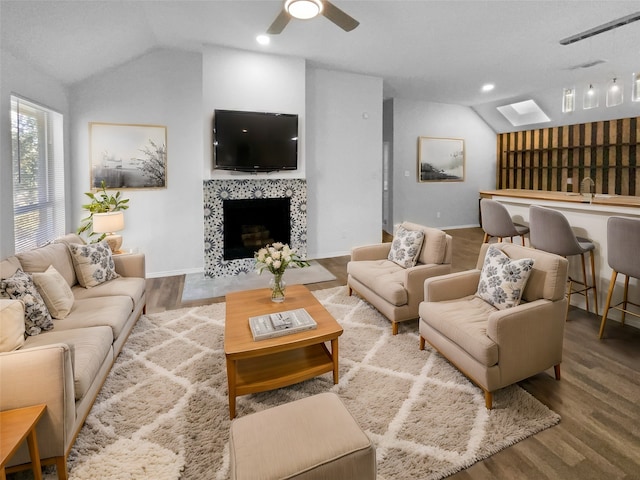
546	158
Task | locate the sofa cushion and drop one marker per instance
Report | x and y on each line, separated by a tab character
20	286
434	247
55	291
70	238
56	254
133	287
406	247
89	347
384	277
464	322
111	312
8	267
11	325
93	263
502	280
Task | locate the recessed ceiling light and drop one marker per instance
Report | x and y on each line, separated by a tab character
487	87
263	39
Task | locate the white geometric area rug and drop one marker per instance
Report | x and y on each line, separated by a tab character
197	286
163	412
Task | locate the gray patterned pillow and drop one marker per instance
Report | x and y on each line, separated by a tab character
93	263
406	246
20	286
502	280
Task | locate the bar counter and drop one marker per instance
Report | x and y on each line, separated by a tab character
588	217
571	197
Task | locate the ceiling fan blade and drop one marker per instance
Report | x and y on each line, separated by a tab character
279	23
337	16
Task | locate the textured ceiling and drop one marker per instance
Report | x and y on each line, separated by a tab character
441	51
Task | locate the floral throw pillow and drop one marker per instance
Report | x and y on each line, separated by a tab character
502	279
406	246
20	286
93	263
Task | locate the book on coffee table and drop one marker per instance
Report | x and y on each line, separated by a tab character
281	323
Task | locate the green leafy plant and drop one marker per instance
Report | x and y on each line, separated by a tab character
101	202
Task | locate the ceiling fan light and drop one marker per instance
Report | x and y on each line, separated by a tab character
303	9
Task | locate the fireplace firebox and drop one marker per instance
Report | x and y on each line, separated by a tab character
250	224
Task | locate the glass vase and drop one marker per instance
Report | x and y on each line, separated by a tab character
277	285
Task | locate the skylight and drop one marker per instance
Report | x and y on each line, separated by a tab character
523	113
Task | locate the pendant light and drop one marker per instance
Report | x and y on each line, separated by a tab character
614	93
568	100
635	87
590	97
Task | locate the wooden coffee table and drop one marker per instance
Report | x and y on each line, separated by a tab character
258	366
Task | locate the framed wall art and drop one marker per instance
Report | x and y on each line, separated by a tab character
128	156
440	159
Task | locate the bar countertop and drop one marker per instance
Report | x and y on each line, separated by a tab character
572	197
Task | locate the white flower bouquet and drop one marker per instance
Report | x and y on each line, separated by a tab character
277	257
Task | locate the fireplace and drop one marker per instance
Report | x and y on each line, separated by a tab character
250	224
217	192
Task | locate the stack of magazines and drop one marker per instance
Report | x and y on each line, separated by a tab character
282	323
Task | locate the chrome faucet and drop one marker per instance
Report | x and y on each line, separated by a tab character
589	194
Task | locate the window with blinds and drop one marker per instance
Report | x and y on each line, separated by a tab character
38	174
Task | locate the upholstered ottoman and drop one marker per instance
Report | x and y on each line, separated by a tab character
312	438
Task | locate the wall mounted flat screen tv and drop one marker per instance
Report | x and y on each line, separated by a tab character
255	141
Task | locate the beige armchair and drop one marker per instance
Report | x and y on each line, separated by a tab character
393	290
496	348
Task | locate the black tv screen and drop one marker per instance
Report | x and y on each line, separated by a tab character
255	141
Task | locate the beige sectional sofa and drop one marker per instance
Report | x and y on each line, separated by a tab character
65	367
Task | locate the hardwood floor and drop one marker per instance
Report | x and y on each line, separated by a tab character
598	396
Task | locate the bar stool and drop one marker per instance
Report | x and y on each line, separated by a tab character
496	222
623	241
551	232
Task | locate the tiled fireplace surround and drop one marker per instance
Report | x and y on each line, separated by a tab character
216	191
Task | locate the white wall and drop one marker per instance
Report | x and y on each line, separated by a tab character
340	152
457	202
242	80
163	87
340	155
344	161
181	90
19	78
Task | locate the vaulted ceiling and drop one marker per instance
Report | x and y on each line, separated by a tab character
440	51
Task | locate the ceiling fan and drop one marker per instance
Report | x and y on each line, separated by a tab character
306	9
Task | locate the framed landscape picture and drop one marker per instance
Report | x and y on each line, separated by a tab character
128	156
440	159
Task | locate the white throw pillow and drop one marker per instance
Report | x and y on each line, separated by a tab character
20	286
11	325
55	291
93	263
502	279
406	247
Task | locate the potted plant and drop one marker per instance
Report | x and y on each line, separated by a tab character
101	202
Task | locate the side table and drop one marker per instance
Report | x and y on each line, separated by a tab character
15	426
